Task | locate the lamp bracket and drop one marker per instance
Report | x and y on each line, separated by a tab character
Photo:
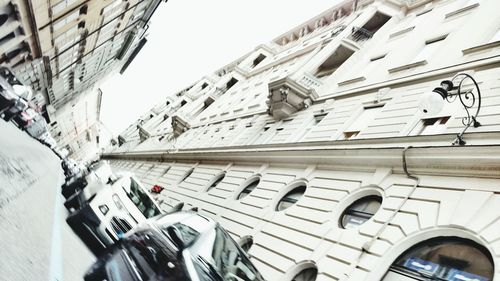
469	98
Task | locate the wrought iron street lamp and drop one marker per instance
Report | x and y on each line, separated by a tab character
468	94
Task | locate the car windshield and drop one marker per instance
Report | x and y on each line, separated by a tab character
226	259
140	198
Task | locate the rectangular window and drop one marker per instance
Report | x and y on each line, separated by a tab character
431	126
258	60
468	3
111	6
430	47
496	37
59	7
62	22
362	121
319	116
68	36
334	61
373	64
284	123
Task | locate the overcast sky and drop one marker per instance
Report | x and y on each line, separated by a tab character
191	38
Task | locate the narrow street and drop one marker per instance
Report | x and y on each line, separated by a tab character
36	243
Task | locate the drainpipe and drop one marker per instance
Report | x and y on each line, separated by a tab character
366	247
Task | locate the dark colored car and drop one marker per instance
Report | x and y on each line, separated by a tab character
73	184
11	104
7	95
173	247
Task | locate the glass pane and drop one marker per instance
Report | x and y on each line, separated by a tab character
308	274
360	211
217	181
364	119
249	189
225	259
448	258
140	199
291	198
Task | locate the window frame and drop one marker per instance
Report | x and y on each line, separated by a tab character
246	184
347	210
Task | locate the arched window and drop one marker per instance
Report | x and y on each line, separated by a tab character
308	274
250	186
217	180
443	258
186	175
3	18
291	198
360	211
246	242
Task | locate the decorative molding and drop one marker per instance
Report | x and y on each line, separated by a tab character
179	125
286	97
480	48
447	160
400	32
461	10
429	155
351	81
407	66
143	133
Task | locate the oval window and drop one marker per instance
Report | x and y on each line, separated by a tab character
291	198
251	186
444	258
218	179
360	211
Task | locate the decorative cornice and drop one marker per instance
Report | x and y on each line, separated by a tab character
431	157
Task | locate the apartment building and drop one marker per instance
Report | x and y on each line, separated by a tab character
63	48
319	153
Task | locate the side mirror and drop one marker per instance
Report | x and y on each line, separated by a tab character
176	237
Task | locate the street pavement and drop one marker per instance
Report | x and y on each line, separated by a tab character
35	241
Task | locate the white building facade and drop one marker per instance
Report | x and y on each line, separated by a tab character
64	48
314	152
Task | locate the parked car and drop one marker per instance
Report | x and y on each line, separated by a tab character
47	139
74	183
7	100
178	246
112	210
7	93
99	173
17	107
13	94
25	117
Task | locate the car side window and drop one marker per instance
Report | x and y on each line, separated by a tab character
232	262
147	253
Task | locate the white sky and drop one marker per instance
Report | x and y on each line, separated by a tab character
191	38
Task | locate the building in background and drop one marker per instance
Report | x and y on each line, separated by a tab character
62	48
315	151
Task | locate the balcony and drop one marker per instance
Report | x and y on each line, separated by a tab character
310	81
358	36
